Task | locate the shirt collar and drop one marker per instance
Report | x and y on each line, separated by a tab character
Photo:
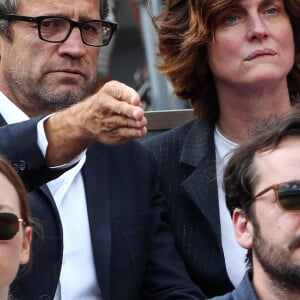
10	112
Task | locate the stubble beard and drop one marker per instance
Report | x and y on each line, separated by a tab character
276	262
55	100
42	97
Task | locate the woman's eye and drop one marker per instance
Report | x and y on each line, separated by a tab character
231	19
272	11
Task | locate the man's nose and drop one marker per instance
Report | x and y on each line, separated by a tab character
74	45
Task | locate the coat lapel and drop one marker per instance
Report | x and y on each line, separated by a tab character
2	121
96	182
199	152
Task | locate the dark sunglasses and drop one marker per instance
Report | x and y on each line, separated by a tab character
287	194
9	225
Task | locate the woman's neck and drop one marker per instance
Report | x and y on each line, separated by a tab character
240	110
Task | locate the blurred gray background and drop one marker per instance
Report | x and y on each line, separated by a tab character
133	59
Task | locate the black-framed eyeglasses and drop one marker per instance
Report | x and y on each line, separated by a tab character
54	29
287	194
9	225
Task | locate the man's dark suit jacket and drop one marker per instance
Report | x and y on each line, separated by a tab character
133	250
187	172
244	291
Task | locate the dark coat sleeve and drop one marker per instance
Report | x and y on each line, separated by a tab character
18	143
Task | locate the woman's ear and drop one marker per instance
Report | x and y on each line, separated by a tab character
25	252
243	228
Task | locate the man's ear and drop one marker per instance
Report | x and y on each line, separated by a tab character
243	228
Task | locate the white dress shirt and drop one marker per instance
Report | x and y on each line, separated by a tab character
78	279
234	254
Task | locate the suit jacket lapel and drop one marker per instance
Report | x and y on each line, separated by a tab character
45	190
96	181
2	121
199	151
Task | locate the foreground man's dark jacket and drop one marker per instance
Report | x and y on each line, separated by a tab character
133	250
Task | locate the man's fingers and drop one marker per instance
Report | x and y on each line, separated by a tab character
122	135
122	92
125	109
117	98
113	114
117	122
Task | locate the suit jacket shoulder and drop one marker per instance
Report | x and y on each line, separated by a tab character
188	143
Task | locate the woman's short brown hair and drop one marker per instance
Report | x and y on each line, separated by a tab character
184	28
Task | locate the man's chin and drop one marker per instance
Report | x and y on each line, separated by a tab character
62	97
68	90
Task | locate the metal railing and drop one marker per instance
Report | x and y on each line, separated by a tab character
160	89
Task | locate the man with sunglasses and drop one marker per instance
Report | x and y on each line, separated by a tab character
262	186
102	233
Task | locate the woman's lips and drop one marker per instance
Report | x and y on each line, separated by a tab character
260	52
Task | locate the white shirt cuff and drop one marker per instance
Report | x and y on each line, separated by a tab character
43	145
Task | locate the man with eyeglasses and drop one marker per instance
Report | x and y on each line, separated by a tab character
262	186
102	235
